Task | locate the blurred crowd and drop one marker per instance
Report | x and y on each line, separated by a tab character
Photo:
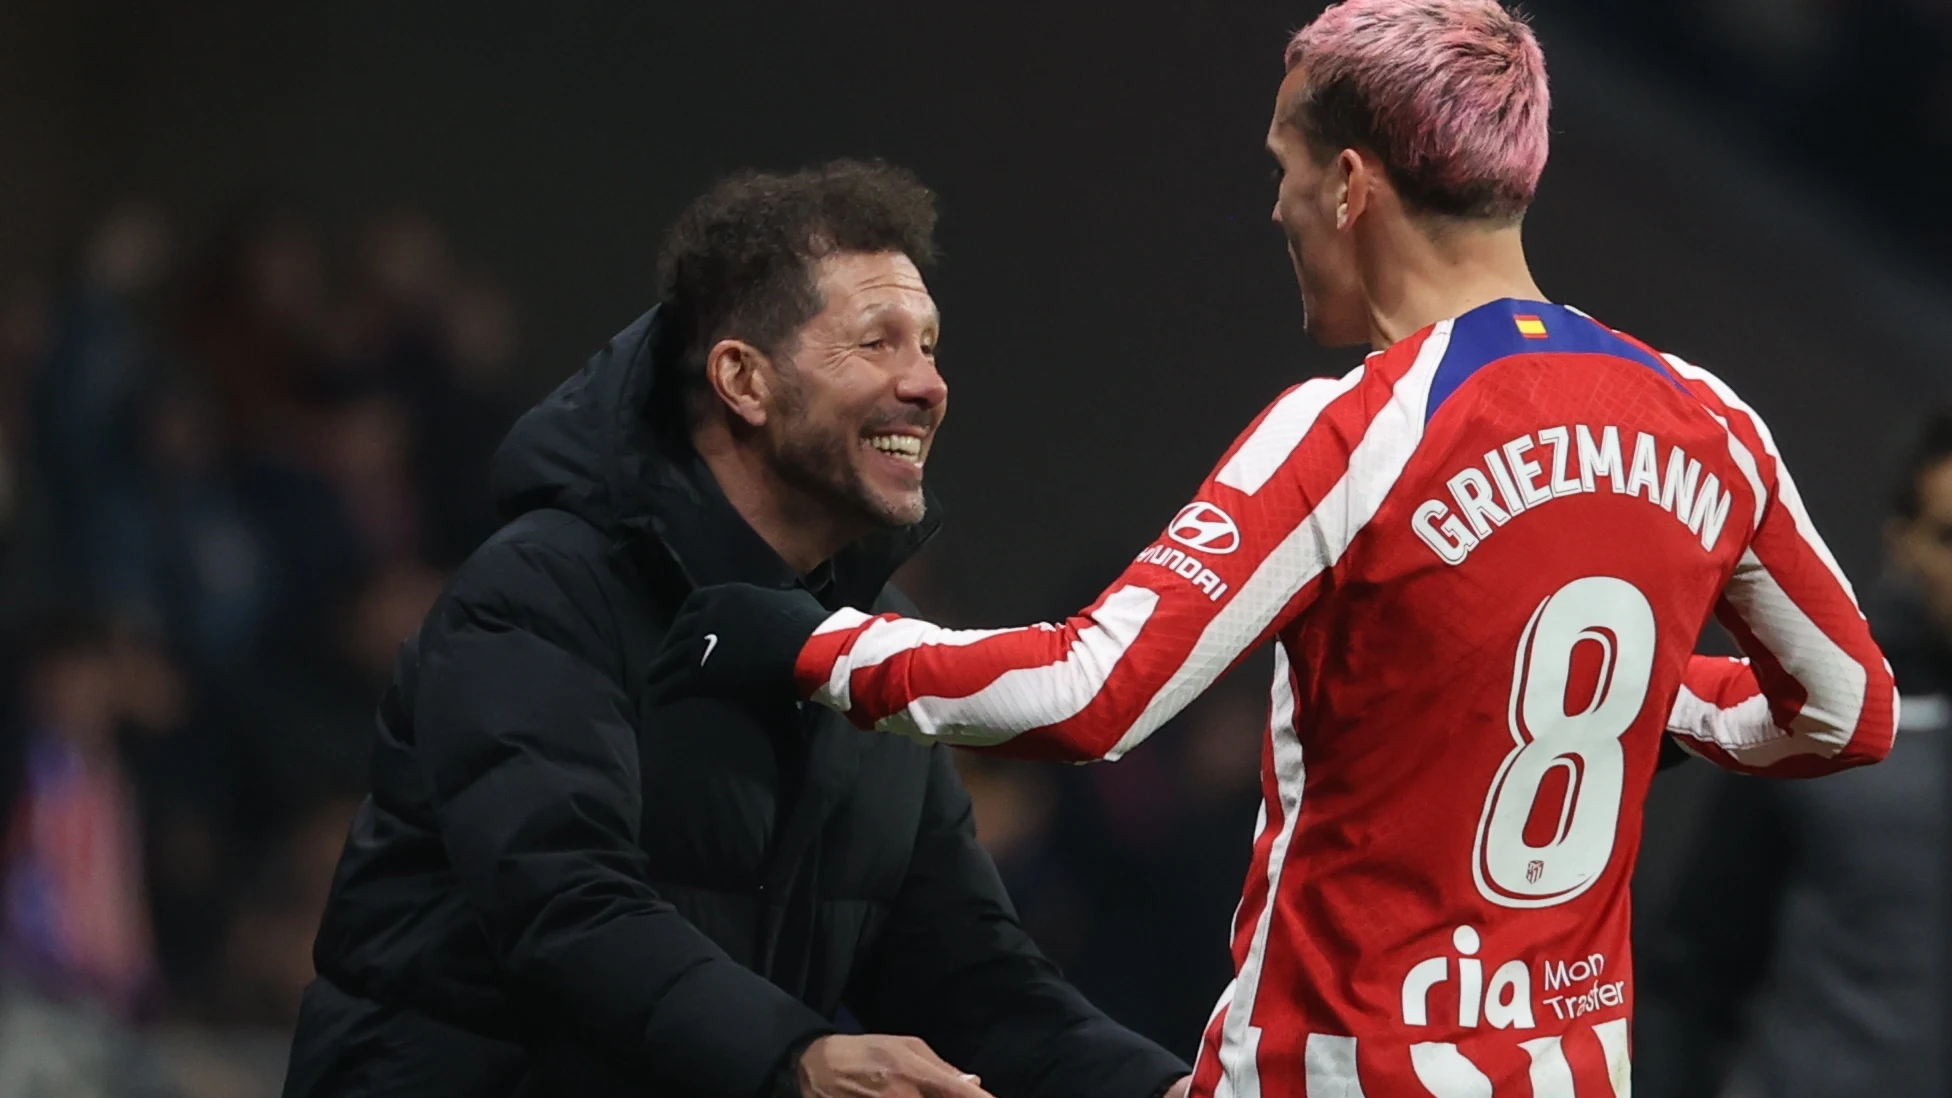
232	475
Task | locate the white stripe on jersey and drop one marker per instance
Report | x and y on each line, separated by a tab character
1025	696
1261	456
1551	1074
1312	547
1445	1073
1239	1041
1619	1064
1331	1067
1738	451
889	639
1833	682
882	642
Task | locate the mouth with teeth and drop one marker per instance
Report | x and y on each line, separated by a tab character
906	449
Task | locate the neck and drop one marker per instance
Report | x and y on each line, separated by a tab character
802	533
1414	277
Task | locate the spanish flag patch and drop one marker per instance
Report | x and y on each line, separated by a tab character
1530	327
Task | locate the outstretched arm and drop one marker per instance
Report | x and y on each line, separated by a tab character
1235	565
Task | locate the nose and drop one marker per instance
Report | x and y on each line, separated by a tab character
921	383
1274	214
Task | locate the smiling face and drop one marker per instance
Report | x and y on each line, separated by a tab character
858	398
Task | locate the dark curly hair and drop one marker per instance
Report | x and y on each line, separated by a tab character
738	262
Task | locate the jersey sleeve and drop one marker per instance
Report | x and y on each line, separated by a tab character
1235	565
1814	694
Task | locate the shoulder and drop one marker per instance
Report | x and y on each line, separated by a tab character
546	572
537	549
1271	439
1372	417
1719	397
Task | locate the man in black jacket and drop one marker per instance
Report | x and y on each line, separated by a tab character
1803	953
564	883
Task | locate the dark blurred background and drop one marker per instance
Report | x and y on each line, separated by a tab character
275	277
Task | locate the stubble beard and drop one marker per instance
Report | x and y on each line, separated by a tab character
820	460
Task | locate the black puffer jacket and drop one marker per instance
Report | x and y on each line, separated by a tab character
1804	952
556	888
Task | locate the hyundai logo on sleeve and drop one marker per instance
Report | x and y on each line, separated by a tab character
1205	527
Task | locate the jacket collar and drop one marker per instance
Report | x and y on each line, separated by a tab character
688	516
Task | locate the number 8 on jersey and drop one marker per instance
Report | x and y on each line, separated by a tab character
1576	740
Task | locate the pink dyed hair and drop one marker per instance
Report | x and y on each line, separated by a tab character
1451	94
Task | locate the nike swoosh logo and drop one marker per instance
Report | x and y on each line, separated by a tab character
711	642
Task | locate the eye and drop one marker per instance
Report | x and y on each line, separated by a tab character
1275	174
874	344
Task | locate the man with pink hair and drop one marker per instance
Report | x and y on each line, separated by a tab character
1483	556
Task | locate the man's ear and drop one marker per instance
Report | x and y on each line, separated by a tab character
1358	181
737	374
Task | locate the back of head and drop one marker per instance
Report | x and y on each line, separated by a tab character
1451	95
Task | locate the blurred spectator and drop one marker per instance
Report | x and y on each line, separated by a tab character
365	449
248	474
103	354
442	340
225	551
1804	952
76	918
257	328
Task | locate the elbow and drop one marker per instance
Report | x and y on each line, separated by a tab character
1870	741
1877	726
1870	744
1864	749
1875	729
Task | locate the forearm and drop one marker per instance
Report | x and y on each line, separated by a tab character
1724	714
1079	690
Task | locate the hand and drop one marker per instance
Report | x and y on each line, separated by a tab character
877	1066
736	638
1180	1089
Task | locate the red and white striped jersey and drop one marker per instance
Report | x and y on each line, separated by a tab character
1484	557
